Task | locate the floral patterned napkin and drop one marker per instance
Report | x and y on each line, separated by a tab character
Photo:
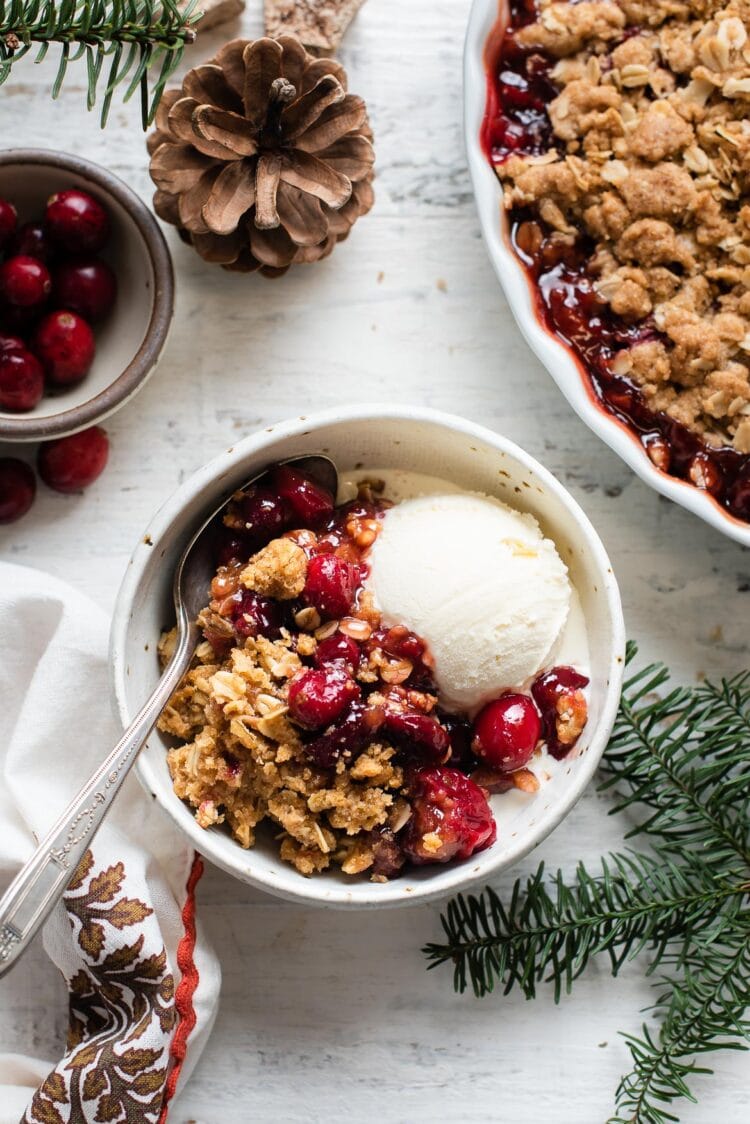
142	983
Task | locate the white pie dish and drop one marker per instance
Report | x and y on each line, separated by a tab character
556	356
416	440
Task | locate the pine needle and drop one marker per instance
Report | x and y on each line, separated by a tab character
680	759
136	35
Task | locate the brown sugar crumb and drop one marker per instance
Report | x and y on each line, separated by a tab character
277	571
651	161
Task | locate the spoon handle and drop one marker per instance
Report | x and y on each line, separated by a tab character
40	884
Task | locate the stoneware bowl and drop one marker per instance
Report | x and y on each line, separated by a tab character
559	360
412	439
130	341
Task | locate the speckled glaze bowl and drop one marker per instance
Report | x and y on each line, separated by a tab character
416	440
130	342
556	356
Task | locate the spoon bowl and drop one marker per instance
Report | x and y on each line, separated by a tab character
39	885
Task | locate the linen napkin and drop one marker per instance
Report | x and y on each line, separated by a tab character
142	983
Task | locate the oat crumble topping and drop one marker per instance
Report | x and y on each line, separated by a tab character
650	158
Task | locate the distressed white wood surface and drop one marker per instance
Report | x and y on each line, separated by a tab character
331	1016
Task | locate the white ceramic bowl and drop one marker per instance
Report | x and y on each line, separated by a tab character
130	341
413	439
549	349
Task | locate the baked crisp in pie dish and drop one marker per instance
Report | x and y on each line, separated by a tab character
619	131
309	709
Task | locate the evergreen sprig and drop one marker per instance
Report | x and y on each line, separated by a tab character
124	40
680	758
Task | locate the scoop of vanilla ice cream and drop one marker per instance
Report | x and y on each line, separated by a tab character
479	583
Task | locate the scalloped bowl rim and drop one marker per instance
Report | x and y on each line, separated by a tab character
560	362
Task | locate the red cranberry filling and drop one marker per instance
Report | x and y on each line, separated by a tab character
450	819
256	616
337	649
516	122
310	503
331	585
318	697
347	737
420	733
506	732
558	694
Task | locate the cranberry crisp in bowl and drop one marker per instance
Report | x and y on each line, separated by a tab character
399	689
615	134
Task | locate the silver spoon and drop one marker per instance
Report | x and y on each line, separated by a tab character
39	885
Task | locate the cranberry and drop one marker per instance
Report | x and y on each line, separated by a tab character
87	287
310	504
738	499
256	616
231	547
337	648
347	737
21	380
8	219
24	282
319	696
65	344
506	732
32	240
331	585
72	463
421	733
556	692
77	222
451	818
17	489
265	515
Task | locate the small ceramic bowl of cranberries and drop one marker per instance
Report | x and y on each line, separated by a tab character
86	294
297	573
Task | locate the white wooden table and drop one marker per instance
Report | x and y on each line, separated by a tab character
330	1016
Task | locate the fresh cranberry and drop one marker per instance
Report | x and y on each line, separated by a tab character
553	691
420	733
450	819
87	287
32	241
264	513
310	504
337	649
65	344
24	282
256	616
11	343
319	696
8	219
72	463
21	380
17	489
331	585
347	737
77	222
506	732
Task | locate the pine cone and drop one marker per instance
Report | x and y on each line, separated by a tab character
262	158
